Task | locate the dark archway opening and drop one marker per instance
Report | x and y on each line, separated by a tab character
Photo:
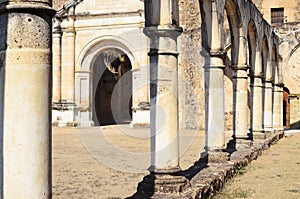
286	108
112	88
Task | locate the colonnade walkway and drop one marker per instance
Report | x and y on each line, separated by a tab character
109	162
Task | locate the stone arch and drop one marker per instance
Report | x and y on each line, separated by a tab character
88	81
265	59
232	24
233	16
274	61
95	46
252	45
291	70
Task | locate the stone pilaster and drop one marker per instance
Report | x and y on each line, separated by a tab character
163	33
56	71
68	75
25	51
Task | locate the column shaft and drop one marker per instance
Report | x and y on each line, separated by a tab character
214	104
240	102
268	107
26	73
257	105
164	100
278	108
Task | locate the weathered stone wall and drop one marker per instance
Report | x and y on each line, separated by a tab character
191	89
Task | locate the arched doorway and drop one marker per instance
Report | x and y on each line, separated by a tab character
112	88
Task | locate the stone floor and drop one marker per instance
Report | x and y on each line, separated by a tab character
108	162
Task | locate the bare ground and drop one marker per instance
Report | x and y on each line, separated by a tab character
108	162
274	175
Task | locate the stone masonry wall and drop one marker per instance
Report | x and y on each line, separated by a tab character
191	88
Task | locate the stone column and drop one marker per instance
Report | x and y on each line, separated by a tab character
257	103
56	71
214	87
163	33
268	106
25	51
277	106
68	75
240	92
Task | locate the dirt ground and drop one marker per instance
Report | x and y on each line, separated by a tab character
274	175
108	162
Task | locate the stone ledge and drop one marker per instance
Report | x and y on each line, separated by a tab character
207	178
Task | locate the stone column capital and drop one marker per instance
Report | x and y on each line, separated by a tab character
163	31
37	7
240	67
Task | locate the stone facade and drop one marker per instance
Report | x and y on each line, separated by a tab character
90	36
288	32
126	23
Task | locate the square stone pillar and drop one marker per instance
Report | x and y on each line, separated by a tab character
25	97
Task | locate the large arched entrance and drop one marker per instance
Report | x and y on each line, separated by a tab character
112	88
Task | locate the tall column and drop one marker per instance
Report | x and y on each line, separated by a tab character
214	87
163	54
281	127
257	103
26	72
240	92
68	75
277	106
268	106
56	71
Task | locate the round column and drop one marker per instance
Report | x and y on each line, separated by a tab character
164	100
257	105
240	101
268	107
26	61
214	109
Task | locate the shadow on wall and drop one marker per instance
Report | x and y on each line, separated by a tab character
295	125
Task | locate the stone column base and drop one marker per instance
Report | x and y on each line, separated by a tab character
260	134
215	156
237	144
161	184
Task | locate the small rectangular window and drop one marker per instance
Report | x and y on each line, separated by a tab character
277	15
